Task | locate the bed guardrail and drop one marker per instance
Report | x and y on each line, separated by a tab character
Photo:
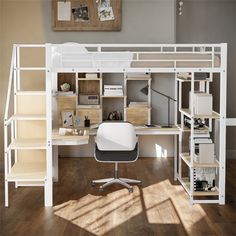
137	57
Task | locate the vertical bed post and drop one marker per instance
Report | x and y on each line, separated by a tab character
223	100
48	188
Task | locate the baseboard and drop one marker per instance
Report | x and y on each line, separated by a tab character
231	154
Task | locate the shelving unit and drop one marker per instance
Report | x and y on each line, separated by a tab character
218	166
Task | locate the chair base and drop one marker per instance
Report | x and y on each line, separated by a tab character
122	181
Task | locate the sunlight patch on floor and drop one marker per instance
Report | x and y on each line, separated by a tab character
98	214
101	214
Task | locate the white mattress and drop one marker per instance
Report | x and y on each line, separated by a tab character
73	55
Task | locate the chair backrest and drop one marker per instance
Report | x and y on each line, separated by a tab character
116	136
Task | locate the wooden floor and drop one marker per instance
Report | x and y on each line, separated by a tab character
160	207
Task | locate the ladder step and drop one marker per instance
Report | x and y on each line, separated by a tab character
28	144
32	171
28	117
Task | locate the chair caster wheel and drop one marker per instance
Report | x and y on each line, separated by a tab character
101	189
92	184
130	190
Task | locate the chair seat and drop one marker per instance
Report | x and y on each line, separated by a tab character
116	156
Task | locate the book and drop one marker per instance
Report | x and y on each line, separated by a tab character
203	174
61	93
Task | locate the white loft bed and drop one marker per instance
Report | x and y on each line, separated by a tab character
136	58
103	58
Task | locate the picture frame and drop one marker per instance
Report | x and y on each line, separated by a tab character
86	15
67	117
78	121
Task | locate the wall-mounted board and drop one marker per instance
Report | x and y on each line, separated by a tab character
86	15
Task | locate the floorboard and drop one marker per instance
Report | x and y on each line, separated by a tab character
159	207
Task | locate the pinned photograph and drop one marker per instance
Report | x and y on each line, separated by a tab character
63	11
105	13
67	118
81	13
104	3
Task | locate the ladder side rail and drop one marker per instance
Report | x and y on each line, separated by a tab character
6	123
12	68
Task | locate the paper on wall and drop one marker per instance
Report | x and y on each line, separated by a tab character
64	11
105	11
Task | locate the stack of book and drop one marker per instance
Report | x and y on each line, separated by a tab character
62	93
138	104
113	90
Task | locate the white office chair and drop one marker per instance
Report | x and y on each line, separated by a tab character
116	142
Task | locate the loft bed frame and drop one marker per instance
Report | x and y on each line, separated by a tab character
149	58
111	58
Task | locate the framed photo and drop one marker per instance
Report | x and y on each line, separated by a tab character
67	117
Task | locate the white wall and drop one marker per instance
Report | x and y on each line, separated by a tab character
29	21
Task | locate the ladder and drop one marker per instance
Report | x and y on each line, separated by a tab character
27	121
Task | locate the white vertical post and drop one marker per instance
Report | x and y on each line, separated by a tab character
175	122
16	82
6	165
175	157
18	67
223	101
175	97
125	90
149	99
48	188
191	138
55	163
125	96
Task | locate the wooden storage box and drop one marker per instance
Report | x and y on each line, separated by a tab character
94	115
138	116
65	103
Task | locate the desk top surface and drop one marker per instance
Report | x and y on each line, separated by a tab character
140	130
68	139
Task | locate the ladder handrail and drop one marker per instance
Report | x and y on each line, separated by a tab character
13	59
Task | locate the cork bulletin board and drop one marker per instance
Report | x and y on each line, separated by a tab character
86	15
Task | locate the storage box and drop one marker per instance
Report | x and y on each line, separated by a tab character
202	103
206	153
138	116
94	115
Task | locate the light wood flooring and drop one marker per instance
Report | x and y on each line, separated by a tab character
159	207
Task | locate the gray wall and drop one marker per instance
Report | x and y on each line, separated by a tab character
142	22
213	21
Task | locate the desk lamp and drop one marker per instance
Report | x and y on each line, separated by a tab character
145	91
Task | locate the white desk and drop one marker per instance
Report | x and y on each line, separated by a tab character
81	140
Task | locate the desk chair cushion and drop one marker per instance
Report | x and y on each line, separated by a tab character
116	156
116	136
